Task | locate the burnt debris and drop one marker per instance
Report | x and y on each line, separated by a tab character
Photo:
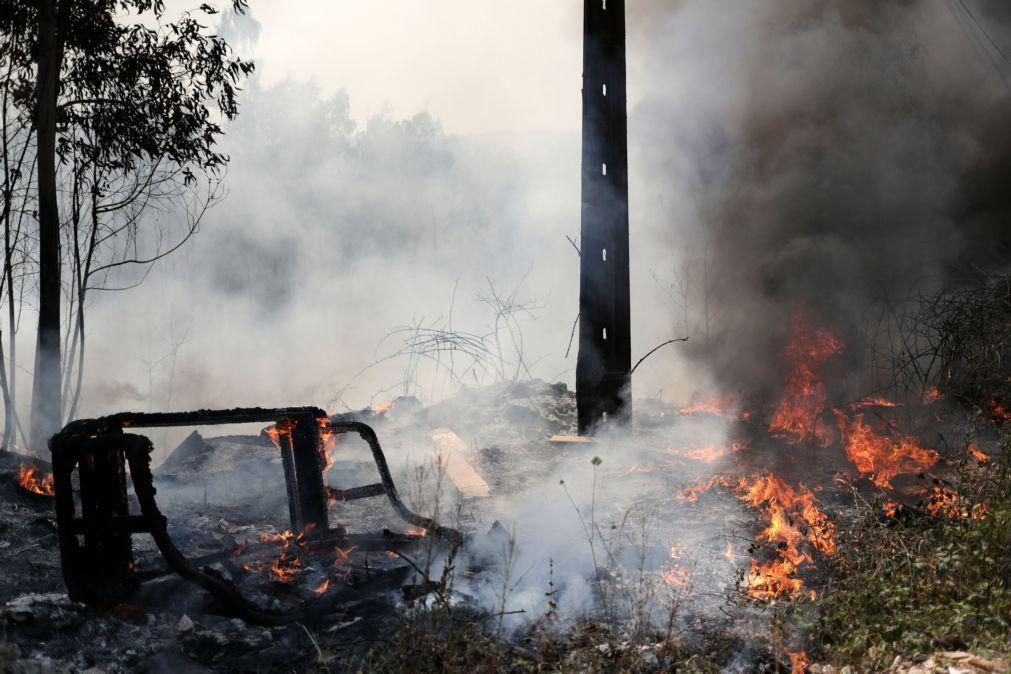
95	531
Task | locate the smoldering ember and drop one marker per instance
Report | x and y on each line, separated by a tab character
594	336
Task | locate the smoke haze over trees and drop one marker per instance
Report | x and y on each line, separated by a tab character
781	154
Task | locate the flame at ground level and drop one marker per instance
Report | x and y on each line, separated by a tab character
797	418
799	662
32	479
728	406
795	526
880	456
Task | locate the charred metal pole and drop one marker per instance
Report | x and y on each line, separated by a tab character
298	437
603	367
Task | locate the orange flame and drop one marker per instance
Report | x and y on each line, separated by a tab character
32	479
323	587
691	494
875	402
794	521
381	408
327	442
285	568
798	416
274	434
882	457
793	515
728	406
931	395
945	501
978	453
344	556
799	662
704	454
998	412
675	574
773	579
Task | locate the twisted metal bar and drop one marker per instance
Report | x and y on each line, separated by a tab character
367	434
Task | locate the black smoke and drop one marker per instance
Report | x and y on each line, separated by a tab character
838	154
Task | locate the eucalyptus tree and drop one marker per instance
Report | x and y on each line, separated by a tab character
123	101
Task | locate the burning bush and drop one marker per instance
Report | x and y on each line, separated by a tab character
927	580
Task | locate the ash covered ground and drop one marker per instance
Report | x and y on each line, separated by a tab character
667	513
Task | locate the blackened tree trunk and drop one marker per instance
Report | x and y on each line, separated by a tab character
46	403
605	358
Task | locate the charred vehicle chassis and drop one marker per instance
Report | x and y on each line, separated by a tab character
95	535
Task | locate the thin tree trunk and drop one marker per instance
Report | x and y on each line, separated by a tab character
83	275
46	399
8	270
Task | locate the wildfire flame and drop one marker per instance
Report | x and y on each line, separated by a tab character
274	434
288	562
728	406
998	412
327	442
285	568
882	457
784	504
704	454
978	453
799	662
798	416
381	408
945	501
343	556
675	574
767	581
796	530
32	479
794	523
875	402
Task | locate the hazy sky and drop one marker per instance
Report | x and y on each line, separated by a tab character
477	66
760	119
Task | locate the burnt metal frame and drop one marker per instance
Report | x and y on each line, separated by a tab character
96	548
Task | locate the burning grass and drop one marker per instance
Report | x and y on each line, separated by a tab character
882	454
795	529
798	417
913	582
